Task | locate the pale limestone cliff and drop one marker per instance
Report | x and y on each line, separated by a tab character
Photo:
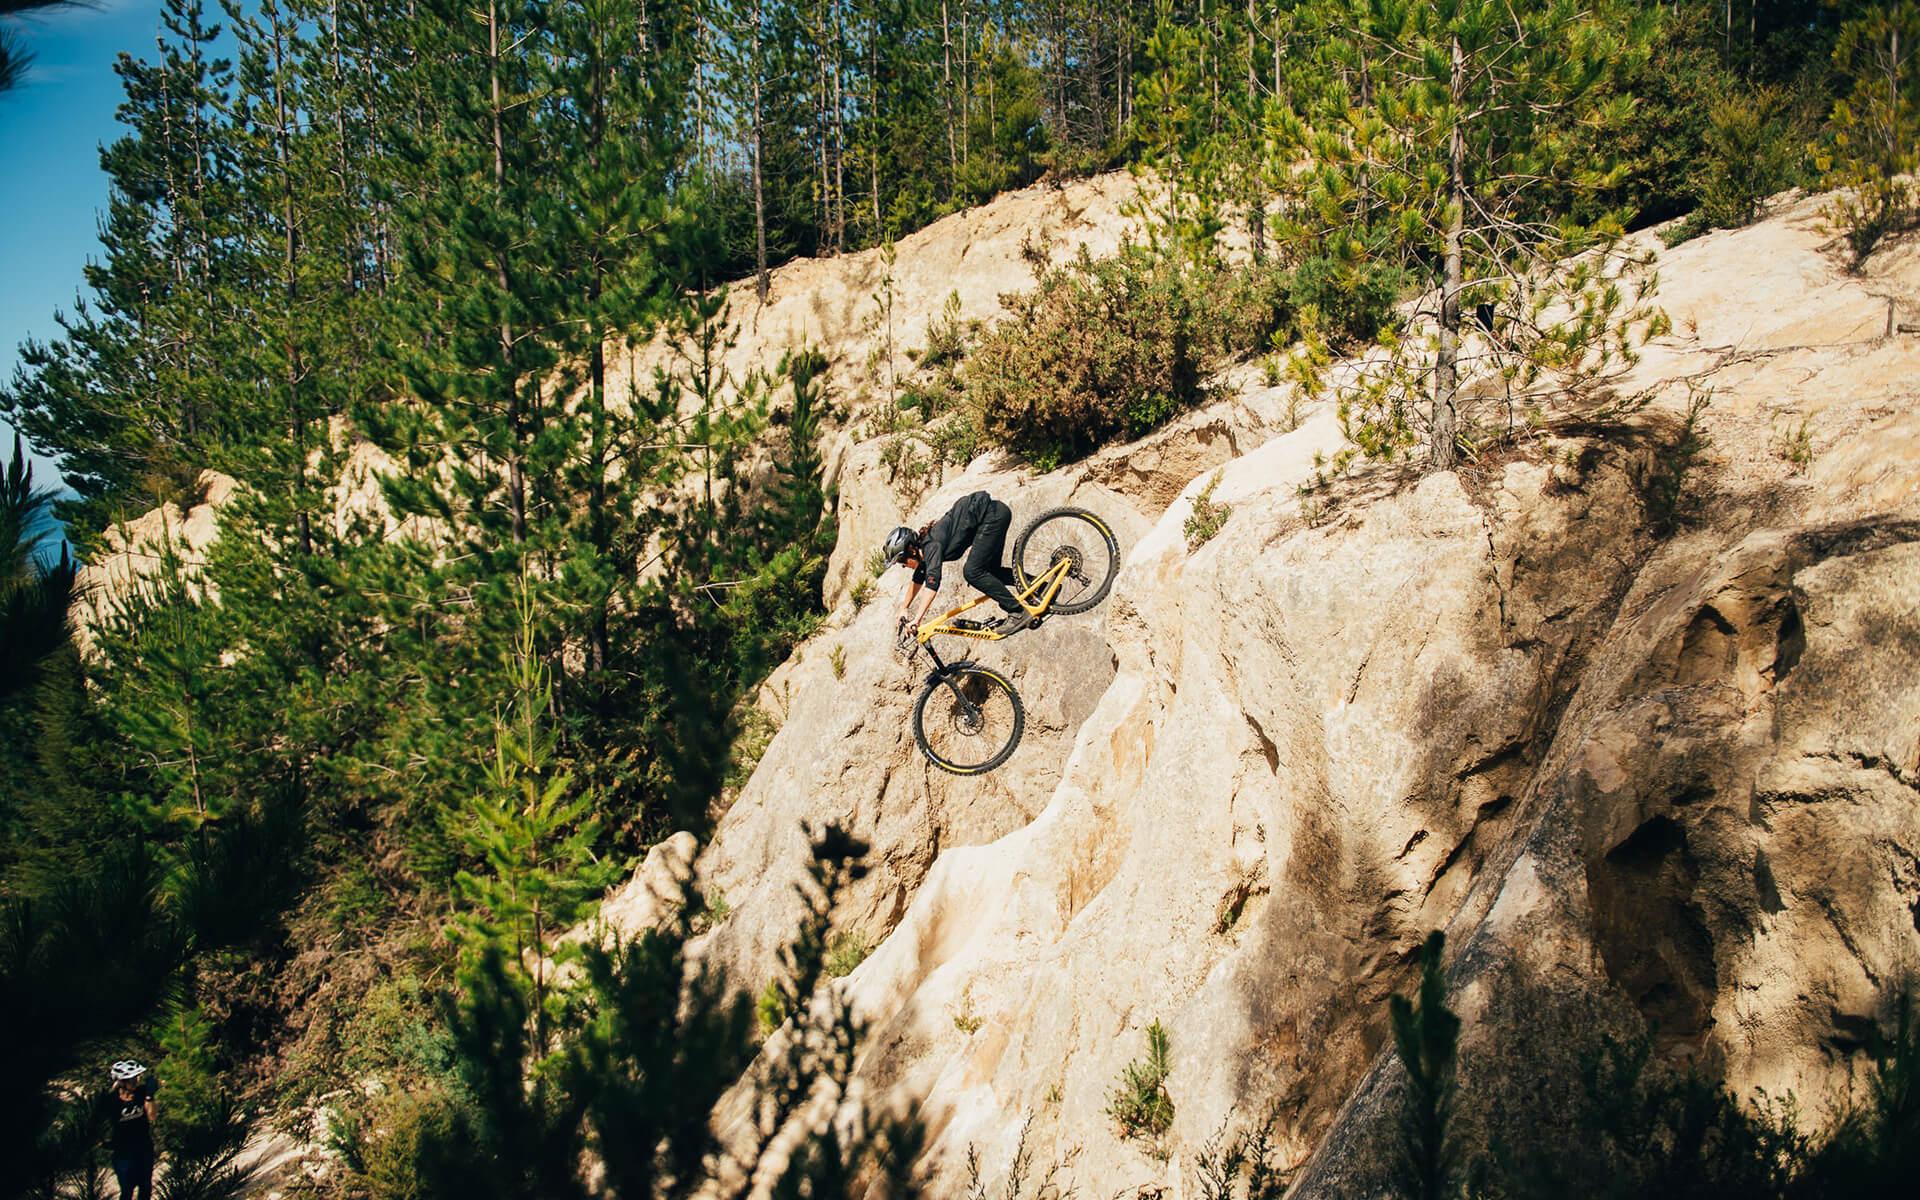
1644	782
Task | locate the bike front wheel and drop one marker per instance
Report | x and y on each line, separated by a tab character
968	719
1091	552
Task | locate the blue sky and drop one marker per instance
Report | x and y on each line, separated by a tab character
51	188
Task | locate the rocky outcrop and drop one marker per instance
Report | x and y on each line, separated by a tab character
1660	783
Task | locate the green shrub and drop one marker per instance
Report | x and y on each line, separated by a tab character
1347	303
1873	146
380	1147
1661	474
1139	1104
1207	518
1751	154
1101	350
756	730
1253	309
956	438
845	951
713	910
1793	444
946	336
770	1010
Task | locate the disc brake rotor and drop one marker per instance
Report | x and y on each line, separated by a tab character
968	719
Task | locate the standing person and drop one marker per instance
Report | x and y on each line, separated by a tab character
130	1103
975	526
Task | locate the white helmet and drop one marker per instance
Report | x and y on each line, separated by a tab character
126	1069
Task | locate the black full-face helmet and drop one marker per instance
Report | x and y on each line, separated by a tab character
900	543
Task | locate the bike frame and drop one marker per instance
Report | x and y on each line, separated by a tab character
1045	586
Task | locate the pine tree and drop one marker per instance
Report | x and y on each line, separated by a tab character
1874	145
136	392
1428	136
532	836
35	593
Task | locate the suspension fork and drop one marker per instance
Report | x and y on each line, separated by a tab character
940	674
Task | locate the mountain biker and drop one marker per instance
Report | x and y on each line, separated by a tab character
975	526
129	1104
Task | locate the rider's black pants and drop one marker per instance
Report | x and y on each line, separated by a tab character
133	1170
984	569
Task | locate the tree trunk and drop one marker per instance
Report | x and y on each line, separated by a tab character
873	108
290	290
599	638
760	286
822	179
1257	200
1446	417
349	233
516	464
946	99
966	80
839	137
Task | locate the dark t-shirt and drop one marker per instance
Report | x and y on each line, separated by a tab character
132	1132
951	536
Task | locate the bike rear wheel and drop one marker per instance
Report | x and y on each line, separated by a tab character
1078	536
968	719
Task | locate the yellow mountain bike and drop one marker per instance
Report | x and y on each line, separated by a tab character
968	718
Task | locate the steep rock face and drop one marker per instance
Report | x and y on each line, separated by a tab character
1316	736
1647	783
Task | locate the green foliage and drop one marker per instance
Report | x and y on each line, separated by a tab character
202	1124
237	878
35	594
1751	153
1641	1128
1207	518
1253	309
755	733
1100	350
532	836
1873	145
947	337
80	961
1792	443
1347	302
1426	1036
380	1150
1701	125
770	1008
1661	473
846	949
1428	132
1139	1104
1876	1144
621	1104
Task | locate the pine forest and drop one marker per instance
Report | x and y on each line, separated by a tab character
439	302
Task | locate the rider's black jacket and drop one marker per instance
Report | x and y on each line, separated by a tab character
951	536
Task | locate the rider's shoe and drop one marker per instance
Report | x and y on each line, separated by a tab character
1013	622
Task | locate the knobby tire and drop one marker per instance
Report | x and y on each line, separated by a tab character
1084	531
997	691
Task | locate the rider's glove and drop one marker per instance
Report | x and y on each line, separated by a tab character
903	632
